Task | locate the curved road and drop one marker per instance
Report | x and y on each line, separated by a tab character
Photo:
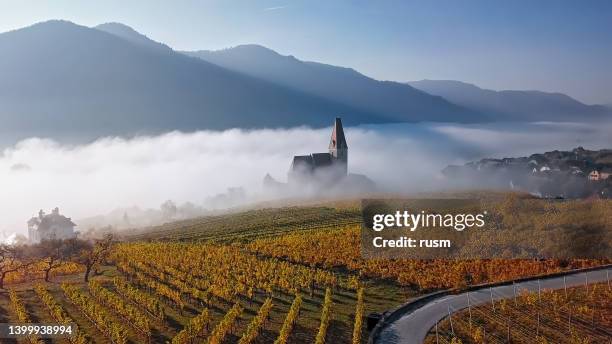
412	327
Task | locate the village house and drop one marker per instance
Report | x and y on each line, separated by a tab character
576	170
596	175
50	227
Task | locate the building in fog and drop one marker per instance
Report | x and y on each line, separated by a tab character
332	165
596	175
50	226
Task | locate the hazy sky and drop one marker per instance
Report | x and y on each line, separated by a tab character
556	45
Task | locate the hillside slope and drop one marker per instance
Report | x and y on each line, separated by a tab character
393	100
514	105
60	78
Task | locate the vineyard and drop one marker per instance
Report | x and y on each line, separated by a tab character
252	224
580	315
288	275
137	302
342	247
179	290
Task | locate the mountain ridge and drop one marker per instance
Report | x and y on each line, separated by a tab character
514	104
60	78
394	100
270	62
128	33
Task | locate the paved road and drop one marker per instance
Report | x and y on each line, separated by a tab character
412	328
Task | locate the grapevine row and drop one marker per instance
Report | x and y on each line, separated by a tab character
99	316
187	283
122	308
340	248
290	320
325	317
359	309
159	288
242	271
577	315
171	287
225	325
22	315
195	328
148	302
58	313
257	323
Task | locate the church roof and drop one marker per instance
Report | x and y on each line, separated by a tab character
312	161
337	138
302	159
321	159
302	162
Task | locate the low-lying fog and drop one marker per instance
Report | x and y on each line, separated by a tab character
95	178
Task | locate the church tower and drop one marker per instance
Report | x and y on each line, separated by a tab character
338	149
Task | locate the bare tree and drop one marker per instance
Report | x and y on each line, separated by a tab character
14	258
52	253
90	253
168	209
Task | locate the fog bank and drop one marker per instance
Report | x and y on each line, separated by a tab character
89	179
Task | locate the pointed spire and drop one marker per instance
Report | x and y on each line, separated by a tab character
337	138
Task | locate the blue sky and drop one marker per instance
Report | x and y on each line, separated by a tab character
563	46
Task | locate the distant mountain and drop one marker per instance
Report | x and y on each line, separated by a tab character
131	35
514	105
60	79
393	100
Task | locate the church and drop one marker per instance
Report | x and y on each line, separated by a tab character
330	166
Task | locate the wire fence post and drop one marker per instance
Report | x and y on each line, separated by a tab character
508	335
437	340
538	325
608	277
492	302
450	317
565	286
586	282
514	291
539	292
469	308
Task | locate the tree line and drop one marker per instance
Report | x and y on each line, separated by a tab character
49	255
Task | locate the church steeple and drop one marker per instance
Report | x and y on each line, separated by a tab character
338	148
337	137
